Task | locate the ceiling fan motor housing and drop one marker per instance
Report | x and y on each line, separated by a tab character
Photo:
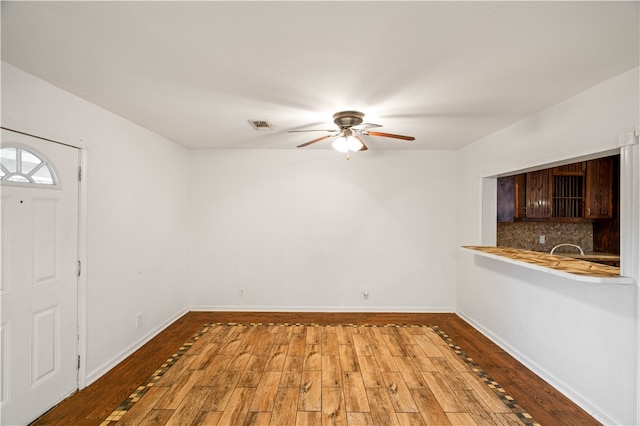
346	119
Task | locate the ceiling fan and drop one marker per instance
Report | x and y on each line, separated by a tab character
350	131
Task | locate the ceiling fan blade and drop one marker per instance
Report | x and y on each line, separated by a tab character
314	141
366	126
364	146
312	130
391	135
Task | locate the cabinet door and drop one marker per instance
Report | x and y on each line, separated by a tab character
520	196
599	189
506	202
539	192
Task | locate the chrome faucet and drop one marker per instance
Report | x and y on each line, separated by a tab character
567	244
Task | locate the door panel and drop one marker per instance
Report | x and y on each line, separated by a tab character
44	240
45	346
39	299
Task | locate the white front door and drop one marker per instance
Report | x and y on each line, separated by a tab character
38	280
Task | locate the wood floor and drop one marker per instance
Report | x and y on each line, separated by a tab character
92	405
274	374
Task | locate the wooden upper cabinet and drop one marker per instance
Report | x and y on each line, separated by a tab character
511	198
539	194
506	201
599	189
572	192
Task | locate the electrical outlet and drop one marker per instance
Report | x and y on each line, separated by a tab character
139	319
241	292
365	294
543	239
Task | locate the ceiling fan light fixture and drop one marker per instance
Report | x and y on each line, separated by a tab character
347	144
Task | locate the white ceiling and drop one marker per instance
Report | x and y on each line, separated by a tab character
447	73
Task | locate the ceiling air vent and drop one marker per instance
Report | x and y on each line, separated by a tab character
260	124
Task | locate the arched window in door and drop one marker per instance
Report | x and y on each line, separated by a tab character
21	165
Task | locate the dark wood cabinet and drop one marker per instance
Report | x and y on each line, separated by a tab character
539	194
511	198
506	201
587	191
606	232
577	191
568	190
599	189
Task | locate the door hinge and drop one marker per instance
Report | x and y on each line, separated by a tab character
79	174
78	362
79	268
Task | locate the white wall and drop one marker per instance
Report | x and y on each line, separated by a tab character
581	337
308	230
137	210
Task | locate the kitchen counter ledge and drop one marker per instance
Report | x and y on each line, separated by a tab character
575	269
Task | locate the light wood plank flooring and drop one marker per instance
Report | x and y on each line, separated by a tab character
93	404
330	375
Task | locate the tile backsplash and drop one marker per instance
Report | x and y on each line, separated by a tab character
526	235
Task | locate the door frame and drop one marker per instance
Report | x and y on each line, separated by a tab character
81	319
82	278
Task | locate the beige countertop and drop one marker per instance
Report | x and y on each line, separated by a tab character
593	256
561	264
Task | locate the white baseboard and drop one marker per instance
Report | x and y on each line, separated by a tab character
364	309
550	378
104	368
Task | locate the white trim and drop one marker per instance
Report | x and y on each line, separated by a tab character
104	368
488	213
363	309
562	387
630	228
31	130
82	279
628	138
629	200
